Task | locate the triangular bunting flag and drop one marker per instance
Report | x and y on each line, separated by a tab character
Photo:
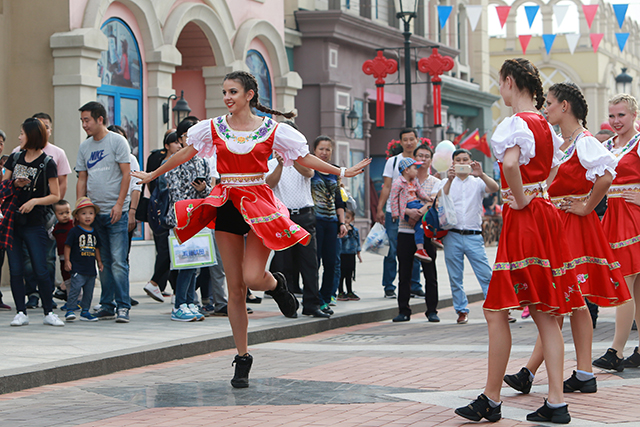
596	38
548	41
443	15
560	11
622	40
589	12
503	13
620	11
572	41
473	13
524	42
531	12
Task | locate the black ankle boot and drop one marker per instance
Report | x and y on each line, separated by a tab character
243	366
287	302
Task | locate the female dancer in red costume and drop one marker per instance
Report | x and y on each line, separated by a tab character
242	203
532	264
584	176
621	224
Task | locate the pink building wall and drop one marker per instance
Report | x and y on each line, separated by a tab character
192	83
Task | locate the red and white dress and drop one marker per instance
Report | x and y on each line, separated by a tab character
241	159
533	264
621	222
598	270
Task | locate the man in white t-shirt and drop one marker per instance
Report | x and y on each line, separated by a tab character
466	188
409	142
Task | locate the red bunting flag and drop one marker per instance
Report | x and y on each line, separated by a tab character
589	12
503	13
596	38
524	42
475	141
458	138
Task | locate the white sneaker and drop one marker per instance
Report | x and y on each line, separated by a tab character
154	292
53	320
20	319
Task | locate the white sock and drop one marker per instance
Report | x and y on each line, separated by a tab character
555	405
492	403
584	375
531	376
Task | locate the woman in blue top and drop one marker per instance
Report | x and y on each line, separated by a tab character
329	208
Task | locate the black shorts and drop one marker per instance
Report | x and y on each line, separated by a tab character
230	220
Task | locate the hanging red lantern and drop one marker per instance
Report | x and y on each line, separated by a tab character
435	65
380	67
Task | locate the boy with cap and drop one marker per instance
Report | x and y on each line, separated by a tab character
80	255
407	193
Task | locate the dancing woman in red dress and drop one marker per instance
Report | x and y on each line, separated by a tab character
621	224
585	173
533	266
242	204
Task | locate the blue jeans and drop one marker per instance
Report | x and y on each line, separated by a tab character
185	286
37	241
419	235
456	246
77	282
390	264
327	234
29	277
114	244
337	269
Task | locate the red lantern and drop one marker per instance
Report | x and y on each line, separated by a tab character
379	67
435	65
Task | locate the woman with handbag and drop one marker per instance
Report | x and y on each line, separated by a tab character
31	179
243	204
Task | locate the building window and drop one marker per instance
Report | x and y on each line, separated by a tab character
120	71
258	67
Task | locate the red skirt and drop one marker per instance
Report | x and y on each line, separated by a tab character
533	264
265	214
600	276
621	224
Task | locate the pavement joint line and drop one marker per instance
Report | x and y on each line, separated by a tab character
107	363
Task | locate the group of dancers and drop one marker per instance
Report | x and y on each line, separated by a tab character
551	186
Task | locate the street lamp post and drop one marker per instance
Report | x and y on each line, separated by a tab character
623	82
406	10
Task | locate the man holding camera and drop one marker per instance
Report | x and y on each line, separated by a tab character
466	186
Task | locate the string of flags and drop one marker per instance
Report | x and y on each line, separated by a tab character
559	11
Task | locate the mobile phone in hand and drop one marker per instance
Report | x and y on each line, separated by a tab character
200	180
462	168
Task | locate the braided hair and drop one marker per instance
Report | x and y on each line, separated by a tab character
249	82
526	77
570	92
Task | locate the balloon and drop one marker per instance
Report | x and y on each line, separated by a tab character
441	161
446	146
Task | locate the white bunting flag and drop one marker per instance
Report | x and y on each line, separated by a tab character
473	13
560	11
572	41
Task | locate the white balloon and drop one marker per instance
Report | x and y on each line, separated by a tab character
446	146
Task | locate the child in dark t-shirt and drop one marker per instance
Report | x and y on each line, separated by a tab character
62	210
80	254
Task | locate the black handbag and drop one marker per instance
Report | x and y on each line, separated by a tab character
142	209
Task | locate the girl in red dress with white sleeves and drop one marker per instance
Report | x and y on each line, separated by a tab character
584	176
621	224
533	266
243	204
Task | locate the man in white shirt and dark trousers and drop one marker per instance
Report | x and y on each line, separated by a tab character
292	186
466	186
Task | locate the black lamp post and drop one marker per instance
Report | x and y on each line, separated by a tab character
350	121
406	10
180	110
623	81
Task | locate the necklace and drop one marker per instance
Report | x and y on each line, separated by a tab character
572	133
570	149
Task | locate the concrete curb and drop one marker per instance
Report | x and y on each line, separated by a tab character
108	363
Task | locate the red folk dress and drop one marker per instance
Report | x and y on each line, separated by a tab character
621	222
242	163
599	275
533	264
